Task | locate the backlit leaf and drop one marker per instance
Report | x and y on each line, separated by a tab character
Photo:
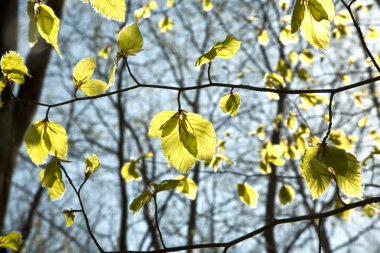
51	179
83	71
48	25
188	187
94	87
247	194
320	165
70	217
45	137
112	9
33	30
207	5
185	137
263	37
130	40
12	240
230	103
286	194
166	185
166	24
92	165
13	67
225	50
130	172
140	201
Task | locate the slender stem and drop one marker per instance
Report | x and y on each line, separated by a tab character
82	206
179	101
130	72
156	220
330	119
209	73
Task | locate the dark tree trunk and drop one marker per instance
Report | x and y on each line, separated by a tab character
15	117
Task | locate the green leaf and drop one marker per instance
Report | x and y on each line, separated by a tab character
291	121
83	71
217	159
48	25
51	179
207	5
247	194
92	165
319	166
225	50
317	10
140	201
70	217
13	67
188	187
113	71
112	9
297	16
130	40
129	172
33	30
166	24
274	79
263	37
12	240
94	87
230	103
166	185
286	194
185	137
45	137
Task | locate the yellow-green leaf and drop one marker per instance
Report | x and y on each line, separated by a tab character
94	87
51	179
12	240
13	67
230	103
92	165
112	9
166	185
33	30
217	159
263	37
322	164
291	121
130	172
48	25
105	52
286	194
185	137
166	24
130	40
45	137
140	201
188	187
207	5
247	194
70	217
225	50
83	71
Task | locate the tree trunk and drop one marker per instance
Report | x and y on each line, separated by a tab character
15	117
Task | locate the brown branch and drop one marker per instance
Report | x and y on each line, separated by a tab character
226	245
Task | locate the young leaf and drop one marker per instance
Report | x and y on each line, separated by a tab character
230	103
225	50
92	165
166	185
130	40
83	71
263	37
12	240
217	159
207	5
70	217
188	187
185	137
166	24
247	194
129	172
286	194
13	67
322	164
48	25
51	179
112	9
45	137
33	30
94	87
140	201
291	121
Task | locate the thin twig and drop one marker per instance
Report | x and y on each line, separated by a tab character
330	120
209	73
130	72
83	210
156	220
